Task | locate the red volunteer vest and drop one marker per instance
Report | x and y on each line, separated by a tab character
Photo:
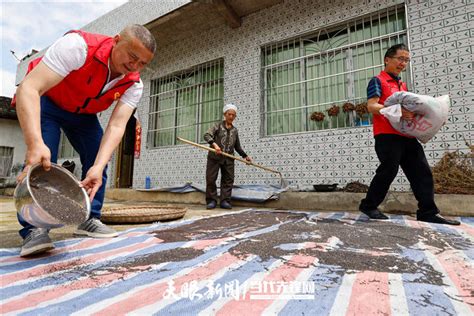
389	86
80	90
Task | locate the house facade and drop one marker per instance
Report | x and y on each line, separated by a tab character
12	146
297	71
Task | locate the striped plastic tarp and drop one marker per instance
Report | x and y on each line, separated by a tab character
188	268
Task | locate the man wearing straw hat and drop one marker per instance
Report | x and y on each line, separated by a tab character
80	75
223	137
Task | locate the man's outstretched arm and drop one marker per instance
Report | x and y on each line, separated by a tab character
112	137
28	94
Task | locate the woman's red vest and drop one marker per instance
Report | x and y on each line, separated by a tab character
80	90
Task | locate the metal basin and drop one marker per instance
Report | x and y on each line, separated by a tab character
51	199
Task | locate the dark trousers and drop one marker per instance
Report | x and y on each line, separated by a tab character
394	151
84	133
226	165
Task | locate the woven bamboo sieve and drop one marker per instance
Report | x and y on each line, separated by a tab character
141	213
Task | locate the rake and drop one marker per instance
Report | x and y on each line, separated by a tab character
283	182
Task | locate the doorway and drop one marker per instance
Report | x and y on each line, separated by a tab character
125	157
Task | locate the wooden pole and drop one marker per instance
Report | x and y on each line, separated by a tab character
227	155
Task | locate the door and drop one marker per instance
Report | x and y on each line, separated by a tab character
125	154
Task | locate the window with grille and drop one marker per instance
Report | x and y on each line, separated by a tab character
66	150
185	104
6	160
306	77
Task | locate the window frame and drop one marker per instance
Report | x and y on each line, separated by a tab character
4	150
396	18
195	73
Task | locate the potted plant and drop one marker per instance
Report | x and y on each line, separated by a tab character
318	117
333	112
349	109
362	113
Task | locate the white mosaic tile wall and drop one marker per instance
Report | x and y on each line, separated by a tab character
134	11
441	41
442	47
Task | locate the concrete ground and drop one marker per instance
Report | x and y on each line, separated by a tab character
9	225
245	262
394	203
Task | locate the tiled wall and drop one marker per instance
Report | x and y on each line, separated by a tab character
442	47
134	11
441	41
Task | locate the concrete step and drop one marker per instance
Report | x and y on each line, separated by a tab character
395	202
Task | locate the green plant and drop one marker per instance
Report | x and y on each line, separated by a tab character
17	168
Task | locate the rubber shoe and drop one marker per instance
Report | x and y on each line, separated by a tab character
211	205
93	227
36	242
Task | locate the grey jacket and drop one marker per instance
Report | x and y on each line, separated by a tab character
227	139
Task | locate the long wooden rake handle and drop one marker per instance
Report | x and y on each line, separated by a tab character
227	155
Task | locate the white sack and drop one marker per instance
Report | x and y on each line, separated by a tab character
431	114
393	113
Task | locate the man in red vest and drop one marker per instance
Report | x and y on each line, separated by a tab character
395	149
80	75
